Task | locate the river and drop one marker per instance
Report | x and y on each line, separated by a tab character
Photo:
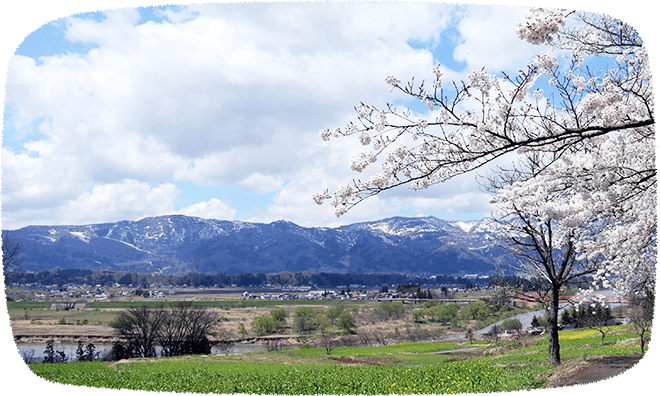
35	352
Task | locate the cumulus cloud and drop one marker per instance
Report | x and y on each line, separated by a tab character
129	198
488	39
126	200
211	209
229	94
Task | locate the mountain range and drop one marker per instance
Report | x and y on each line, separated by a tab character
179	244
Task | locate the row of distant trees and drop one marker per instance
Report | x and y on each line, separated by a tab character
194	279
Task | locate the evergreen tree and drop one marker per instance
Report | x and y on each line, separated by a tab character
535	321
80	352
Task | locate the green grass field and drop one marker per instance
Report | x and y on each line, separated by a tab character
408	368
230	377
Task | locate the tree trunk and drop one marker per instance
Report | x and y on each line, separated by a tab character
553	330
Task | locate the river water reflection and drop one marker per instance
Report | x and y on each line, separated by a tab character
33	353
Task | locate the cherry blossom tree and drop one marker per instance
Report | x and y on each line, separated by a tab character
581	200
536	226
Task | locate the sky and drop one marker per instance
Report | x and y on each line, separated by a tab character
215	110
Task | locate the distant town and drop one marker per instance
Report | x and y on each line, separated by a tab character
83	292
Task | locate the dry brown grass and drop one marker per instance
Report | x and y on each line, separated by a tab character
44	323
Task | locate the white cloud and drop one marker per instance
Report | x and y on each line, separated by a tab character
211	209
259	183
88	31
234	96
126	200
456	204
489	39
129	199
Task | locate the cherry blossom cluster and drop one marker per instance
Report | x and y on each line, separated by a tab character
482	81
603	202
393	81
362	161
540	24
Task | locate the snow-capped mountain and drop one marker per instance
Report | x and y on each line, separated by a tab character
179	244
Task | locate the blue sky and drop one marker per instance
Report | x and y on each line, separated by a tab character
214	110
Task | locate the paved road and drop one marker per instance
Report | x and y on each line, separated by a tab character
525	319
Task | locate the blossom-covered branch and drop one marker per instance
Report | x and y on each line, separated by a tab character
484	118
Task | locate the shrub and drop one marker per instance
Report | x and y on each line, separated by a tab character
306	319
390	310
279	314
418	315
346	322
511	324
264	325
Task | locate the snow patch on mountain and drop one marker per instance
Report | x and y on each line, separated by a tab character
128	244
80	235
466	226
399	226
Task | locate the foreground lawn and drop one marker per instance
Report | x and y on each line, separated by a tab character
409	368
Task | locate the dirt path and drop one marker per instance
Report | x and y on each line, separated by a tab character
607	367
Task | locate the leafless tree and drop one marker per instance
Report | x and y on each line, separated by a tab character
494	333
12	249
380	337
275	344
505	292
366	339
469	335
641	316
349	341
139	327
184	329
181	329
28	356
172	332
416	333
200	321
327	339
